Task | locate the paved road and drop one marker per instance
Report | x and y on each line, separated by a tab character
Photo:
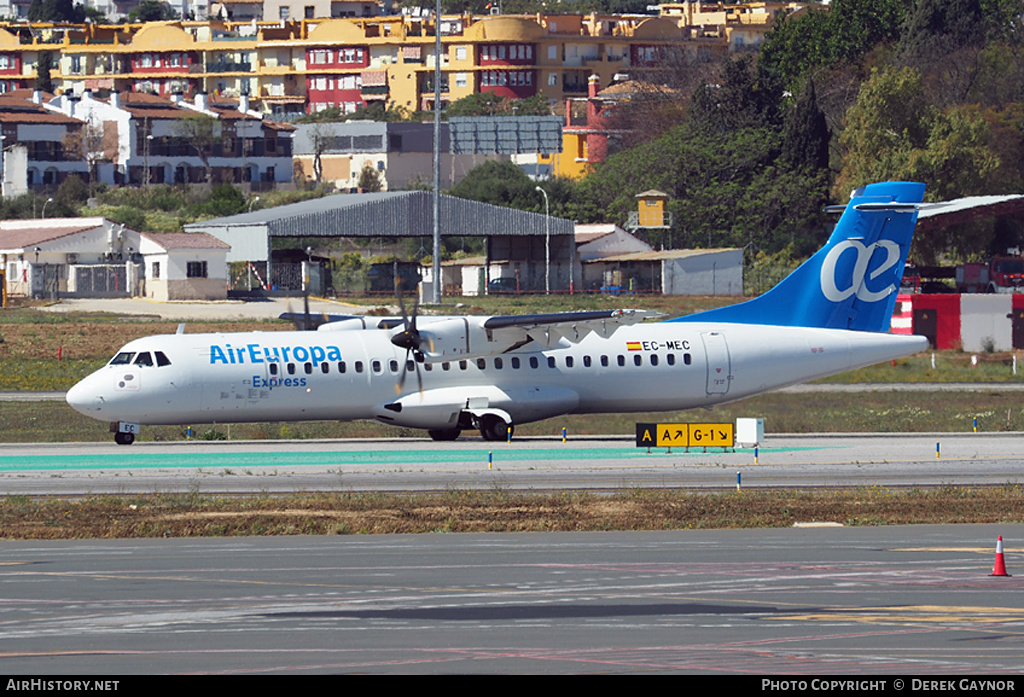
854	602
526	463
266	308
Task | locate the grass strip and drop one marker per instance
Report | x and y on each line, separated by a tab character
192	514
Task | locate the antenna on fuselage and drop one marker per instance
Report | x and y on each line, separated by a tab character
181	328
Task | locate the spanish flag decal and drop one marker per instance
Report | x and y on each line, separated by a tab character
632	345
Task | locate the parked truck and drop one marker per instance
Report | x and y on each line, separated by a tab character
1004	274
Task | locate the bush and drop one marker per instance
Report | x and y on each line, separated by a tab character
225	200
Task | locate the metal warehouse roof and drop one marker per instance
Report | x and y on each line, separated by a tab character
387	214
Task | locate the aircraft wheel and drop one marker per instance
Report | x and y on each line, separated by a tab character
124	438
444	433
495	428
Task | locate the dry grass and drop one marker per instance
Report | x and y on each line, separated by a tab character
99	340
195	515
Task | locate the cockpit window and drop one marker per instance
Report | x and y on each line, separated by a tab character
123	358
161	359
144	359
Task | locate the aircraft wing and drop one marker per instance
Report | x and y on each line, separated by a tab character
548	329
308	322
473	337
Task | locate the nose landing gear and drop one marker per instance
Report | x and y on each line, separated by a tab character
124	432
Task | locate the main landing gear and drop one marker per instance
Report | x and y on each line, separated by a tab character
492	428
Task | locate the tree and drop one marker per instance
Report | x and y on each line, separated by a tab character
501	184
153	11
945	40
742	98
56	11
491	104
806	135
202	132
321	138
43	80
890	120
820	39
369	179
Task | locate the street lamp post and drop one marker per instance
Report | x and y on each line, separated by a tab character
48	202
547	242
149	144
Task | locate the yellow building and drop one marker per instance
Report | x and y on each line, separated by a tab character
651	212
291	67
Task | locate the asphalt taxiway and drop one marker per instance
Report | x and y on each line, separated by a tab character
526	463
905	602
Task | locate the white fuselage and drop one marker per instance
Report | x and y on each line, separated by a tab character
347	375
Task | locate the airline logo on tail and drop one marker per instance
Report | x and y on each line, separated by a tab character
859	273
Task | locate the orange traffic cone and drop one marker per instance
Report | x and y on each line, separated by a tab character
1000	568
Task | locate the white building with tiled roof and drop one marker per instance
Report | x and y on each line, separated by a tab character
96	257
184	266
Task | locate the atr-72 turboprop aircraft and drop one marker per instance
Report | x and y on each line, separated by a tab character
491	373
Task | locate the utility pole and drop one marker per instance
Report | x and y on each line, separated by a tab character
437	153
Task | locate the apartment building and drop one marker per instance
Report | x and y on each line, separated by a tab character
139	138
38	148
293	59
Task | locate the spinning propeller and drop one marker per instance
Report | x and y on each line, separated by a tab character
409	339
304	322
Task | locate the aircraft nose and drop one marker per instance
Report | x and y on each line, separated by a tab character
83	399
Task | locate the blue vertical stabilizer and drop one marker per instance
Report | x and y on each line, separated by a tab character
850	283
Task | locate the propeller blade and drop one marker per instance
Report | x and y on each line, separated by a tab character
409	339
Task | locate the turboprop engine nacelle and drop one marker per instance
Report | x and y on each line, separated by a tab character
456	338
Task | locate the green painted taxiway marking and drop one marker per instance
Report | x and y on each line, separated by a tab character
262	459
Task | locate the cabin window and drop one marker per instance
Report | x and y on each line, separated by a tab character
428	367
393	365
497	364
341	367
622	360
446	366
410	365
291	369
654	359
359	366
568	361
515	363
376	366
325	367
638	360
462	365
551	361
308	367
533	362
481	364
686	359
604	361
273	368
586	361
671	358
